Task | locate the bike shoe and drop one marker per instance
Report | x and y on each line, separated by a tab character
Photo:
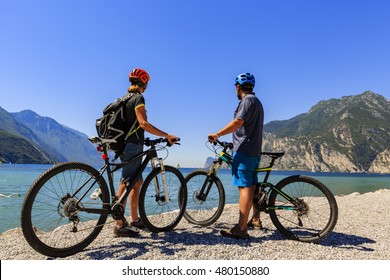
124	231
235	232
255	223
138	224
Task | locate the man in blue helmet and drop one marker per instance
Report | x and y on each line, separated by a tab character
247	129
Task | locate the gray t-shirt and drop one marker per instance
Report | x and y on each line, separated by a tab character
248	138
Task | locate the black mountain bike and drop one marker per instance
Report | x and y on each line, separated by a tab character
300	207
67	206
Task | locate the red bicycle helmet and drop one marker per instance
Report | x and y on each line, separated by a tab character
139	74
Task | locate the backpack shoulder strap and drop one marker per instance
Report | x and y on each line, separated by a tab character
133	127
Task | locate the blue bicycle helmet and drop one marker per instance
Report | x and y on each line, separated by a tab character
245	78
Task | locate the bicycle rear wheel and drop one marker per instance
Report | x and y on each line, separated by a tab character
51	219
157	211
204	208
314	214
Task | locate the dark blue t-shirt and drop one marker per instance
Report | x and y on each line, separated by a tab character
248	138
137	134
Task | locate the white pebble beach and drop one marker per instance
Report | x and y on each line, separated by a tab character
362	233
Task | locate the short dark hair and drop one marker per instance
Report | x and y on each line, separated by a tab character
247	87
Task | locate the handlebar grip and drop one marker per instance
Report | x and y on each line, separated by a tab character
176	140
149	142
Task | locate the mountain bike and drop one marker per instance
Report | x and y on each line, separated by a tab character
301	208
67	206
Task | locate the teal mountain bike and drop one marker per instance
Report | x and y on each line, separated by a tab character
301	208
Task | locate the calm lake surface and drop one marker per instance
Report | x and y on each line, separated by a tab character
16	179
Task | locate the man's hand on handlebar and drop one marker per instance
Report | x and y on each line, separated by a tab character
212	137
227	145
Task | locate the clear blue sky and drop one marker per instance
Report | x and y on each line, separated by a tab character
68	59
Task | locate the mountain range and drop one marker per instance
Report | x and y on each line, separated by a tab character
349	134
26	137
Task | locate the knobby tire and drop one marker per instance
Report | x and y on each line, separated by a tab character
50	205
156	212
204	211
314	219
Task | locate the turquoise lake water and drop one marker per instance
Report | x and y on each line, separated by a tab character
16	179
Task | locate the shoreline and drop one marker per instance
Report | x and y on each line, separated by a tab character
203	168
361	233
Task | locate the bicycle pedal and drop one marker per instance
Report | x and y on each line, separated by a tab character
97	193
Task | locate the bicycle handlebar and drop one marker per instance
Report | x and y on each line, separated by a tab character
148	142
227	145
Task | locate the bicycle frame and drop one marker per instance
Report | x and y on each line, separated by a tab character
265	184
228	159
110	168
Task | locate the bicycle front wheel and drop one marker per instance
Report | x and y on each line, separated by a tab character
204	205
163	199
311	216
52	218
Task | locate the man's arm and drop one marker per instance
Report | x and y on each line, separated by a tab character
229	128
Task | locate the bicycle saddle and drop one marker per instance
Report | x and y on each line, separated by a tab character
273	155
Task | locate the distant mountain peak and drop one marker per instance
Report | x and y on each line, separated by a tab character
27	114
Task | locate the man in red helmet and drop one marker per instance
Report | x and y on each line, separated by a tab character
136	114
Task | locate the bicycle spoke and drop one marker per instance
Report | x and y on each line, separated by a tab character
156	211
206	198
51	220
315	209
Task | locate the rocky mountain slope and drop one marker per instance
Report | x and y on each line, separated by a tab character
15	149
351	134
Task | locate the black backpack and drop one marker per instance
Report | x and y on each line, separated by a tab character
112	125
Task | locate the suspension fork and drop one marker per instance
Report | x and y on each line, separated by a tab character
202	195
163	176
212	170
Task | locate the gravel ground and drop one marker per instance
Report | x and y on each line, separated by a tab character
362	233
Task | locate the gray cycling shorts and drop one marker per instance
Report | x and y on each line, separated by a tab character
130	170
